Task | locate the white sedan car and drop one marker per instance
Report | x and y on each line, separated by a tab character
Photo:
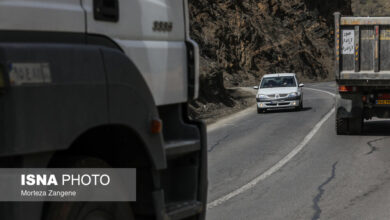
278	91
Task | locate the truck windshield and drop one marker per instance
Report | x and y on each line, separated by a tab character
283	81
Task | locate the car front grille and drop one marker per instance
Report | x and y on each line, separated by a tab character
271	96
283	95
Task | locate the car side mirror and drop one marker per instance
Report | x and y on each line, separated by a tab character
255	87
301	85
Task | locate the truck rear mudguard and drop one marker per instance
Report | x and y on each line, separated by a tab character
349	106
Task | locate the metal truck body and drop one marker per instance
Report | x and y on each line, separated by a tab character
87	79
362	50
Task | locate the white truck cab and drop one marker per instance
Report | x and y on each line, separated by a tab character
152	33
108	81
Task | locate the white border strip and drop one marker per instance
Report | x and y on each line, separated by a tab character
278	165
319	90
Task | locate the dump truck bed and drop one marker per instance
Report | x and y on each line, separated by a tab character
362	50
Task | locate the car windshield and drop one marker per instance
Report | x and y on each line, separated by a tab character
282	81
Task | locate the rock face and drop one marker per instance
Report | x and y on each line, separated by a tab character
241	40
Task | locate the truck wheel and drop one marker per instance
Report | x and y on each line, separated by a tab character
341	125
355	125
88	210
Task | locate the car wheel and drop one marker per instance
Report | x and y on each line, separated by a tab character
259	110
300	107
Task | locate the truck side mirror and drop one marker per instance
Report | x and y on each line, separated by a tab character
301	85
255	87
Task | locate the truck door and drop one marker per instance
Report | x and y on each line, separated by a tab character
42	15
152	34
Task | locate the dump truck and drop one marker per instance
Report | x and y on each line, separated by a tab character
103	83
362	57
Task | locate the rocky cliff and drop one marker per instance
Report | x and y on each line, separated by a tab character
241	40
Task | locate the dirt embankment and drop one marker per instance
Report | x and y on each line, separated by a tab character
242	40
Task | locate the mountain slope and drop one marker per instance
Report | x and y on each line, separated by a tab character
242	40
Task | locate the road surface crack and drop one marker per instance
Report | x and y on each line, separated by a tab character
321	191
372	189
372	146
218	142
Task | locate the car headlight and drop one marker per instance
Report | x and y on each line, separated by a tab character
261	96
293	94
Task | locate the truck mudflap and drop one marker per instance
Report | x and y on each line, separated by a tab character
349	114
349	107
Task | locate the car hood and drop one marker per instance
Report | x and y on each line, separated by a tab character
279	90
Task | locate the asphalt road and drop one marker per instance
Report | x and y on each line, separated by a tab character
330	177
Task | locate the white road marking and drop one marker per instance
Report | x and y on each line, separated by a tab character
237	116
279	164
319	90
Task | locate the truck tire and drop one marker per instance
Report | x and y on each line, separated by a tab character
88	210
355	125
341	125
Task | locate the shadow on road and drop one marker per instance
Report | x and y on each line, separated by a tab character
287	110
376	128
